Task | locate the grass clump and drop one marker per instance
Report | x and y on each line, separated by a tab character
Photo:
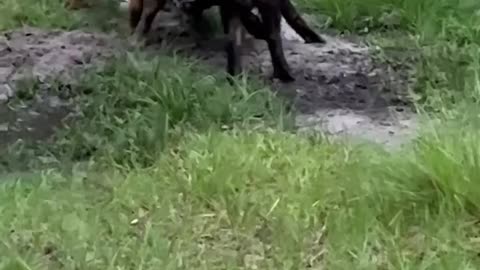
53	14
243	199
445	34
423	17
136	104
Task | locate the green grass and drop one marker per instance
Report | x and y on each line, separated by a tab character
139	105
445	33
167	93
52	14
253	199
179	170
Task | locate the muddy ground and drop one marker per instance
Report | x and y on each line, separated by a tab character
38	66
339	89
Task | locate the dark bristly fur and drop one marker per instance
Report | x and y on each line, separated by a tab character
234	15
268	29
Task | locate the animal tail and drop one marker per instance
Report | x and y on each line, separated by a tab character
295	20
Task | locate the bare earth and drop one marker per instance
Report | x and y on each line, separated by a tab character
48	61
339	88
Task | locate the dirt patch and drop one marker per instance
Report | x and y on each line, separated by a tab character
40	66
339	89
